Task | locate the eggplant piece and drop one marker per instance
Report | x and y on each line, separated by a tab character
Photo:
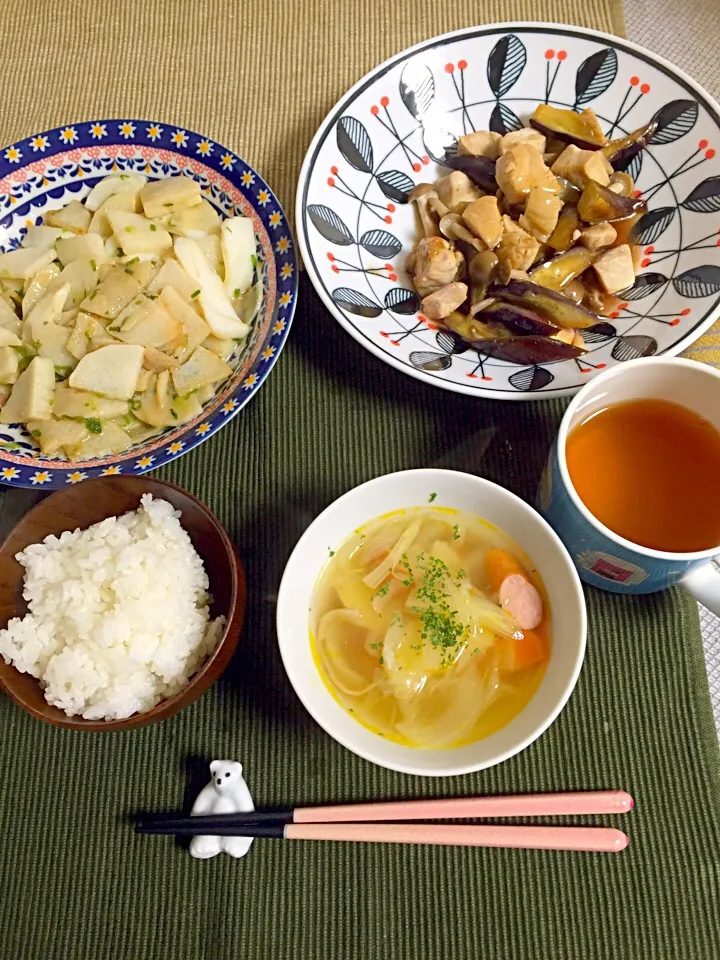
556	273
620	152
599	204
551	305
481	170
528	350
568	126
568	226
473	331
518	320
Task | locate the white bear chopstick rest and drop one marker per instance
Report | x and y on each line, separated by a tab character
227	792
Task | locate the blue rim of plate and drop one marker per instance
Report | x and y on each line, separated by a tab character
197	152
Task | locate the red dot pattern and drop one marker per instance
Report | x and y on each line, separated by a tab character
702	144
384	101
549	54
449	68
562	54
462	64
645	88
634	81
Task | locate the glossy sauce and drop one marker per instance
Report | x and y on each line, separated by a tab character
650	471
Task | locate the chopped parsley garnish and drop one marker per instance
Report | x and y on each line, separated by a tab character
383	590
331	552
433	496
196	293
456	532
236	292
173	414
440	625
153	227
93	265
93	425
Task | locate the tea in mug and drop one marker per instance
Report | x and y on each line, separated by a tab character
650	471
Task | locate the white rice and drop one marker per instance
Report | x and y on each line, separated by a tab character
118	614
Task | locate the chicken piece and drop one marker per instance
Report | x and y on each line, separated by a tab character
482	143
485	220
615	269
579	166
521	169
517	249
456	188
541	213
598	236
444	301
452	227
436	263
526	135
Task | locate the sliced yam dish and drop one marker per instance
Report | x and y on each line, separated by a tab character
527	241
119	313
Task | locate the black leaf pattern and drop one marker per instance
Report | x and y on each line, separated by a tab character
705	198
450	342
503	120
633	166
674	120
651	225
531	378
354	144
395	185
505	64
599	333
699	282
381	244
329	225
439	141
595	75
429	361
354	302
644	285
631	348
403	301
417	88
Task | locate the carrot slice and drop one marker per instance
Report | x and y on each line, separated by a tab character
519	654
500	564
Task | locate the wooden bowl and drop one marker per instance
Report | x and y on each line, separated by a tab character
88	503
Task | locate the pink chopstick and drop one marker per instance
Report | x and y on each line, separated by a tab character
529	805
597	839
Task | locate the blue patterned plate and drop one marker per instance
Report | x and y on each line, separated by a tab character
355	227
49	169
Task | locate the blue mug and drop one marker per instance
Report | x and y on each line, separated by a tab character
603	558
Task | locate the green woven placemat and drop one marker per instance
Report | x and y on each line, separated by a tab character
77	884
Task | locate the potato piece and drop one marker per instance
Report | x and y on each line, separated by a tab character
598	236
9	339
485	220
9	363
202	368
51	342
210	246
125	200
135	234
81	403
9	320
197	221
248	304
57	436
31	397
615	269
159	362
88	334
526	135
217	309
221	348
129	183
108	440
81	279
111	371
456	188
173	275
237	239
517	249
521	169
23	263
169	195
37	287
88	246
46	311
146	322
143	268
73	217
112	295
195	328
42	237
541	213
482	143
578	166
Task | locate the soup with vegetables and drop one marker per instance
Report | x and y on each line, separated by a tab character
430	627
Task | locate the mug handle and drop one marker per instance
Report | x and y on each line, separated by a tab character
704	584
